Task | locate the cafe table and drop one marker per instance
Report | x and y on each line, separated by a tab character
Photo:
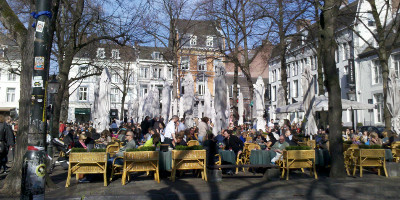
261	157
227	156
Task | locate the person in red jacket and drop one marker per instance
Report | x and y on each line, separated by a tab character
61	128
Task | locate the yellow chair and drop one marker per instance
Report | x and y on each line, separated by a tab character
193	143
311	143
394	147
298	159
112	149
349	159
369	158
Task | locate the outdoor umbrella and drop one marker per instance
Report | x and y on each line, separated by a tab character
102	117
393	100
308	101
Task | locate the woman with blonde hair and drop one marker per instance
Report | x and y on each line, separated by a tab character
375	140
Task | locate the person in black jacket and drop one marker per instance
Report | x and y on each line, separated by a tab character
232	142
7	138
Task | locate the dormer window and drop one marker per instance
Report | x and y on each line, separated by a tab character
3	50
193	40
156	55
115	54
101	53
210	41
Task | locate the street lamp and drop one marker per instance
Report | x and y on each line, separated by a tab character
351	94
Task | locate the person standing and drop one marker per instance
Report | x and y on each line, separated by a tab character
170	130
182	126
6	141
203	128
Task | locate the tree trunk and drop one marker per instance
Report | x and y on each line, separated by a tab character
383	59
60	97
123	104
235	94
284	75
12	183
328	22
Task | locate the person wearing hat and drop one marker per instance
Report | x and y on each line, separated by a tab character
169	132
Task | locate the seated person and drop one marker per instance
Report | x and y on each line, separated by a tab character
81	143
323	143
232	142
105	138
130	144
279	147
289	138
259	139
179	141
153	141
375	140
121	135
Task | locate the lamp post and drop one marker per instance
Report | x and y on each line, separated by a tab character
351	94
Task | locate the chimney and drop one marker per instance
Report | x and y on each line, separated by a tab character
302	23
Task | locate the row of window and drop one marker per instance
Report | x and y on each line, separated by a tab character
101	53
294	68
193	40
343	52
10	76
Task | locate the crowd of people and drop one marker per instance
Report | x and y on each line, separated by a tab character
8	129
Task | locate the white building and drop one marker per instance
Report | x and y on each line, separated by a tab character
10	61
138	69
358	70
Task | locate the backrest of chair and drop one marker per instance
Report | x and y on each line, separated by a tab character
253	147
141	156
193	143
299	154
189	154
370	153
88	157
113	149
311	143
249	139
395	144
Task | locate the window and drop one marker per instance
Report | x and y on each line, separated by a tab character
101	53
83	71
12	76
210	41
376	72
278	74
193	40
185	64
115	54
200	88
346	51
129	94
315	84
273	93
288	90
10	94
231	91
379	108
115	78
182	90
337	55
114	95
83	94
272	75
295	88
170	73
202	64
396	60
156	55
296	68
144	72
131	77
288	70
143	90
157	72
3	50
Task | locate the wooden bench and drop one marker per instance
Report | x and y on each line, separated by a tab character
369	158
141	161
87	163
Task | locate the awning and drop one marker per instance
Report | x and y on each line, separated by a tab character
82	111
6	109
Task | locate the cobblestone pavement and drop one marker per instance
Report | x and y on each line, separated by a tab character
243	186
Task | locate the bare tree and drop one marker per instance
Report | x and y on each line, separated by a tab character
84	23
122	71
20	31
283	15
328	21
379	38
241	26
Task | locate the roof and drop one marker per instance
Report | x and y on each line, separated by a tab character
198	27
146	52
126	53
